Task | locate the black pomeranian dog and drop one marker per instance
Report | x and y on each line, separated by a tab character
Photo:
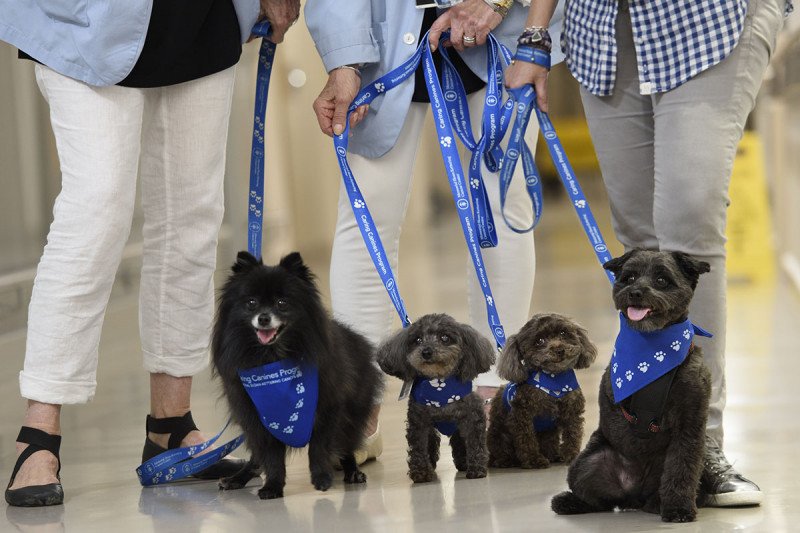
272	315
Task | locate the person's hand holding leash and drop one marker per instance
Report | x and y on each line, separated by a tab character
469	23
521	73
332	103
281	14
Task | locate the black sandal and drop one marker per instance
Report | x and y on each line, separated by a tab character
36	495
178	427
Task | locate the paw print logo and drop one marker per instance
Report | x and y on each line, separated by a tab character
580	204
300	389
619	383
686	334
676	345
380	87
299	374
192	449
437	384
566	388
299	404
288	429
168	477
614	368
453	398
294	417
358	204
252	194
659	355
475	183
446	141
274	425
490	300
628	375
643	367
431	403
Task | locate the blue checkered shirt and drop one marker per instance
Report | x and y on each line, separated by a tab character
675	40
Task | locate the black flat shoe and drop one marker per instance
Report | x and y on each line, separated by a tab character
36	495
178	427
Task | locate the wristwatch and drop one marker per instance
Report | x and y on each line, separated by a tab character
500	7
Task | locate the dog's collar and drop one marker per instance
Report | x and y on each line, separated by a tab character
641	358
555	385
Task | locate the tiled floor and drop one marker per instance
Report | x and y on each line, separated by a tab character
102	440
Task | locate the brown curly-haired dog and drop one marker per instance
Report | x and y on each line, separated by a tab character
537	419
442	357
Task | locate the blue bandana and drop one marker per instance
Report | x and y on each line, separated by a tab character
438	393
555	385
641	358
285	395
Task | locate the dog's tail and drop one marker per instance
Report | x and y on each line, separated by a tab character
568	503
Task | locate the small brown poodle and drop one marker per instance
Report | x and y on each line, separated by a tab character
441	357
537	419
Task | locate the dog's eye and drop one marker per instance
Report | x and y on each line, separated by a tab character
540	341
252	303
419	340
562	333
630	278
444	338
661	281
282	305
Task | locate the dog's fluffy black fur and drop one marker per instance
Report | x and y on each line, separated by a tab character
554	344
268	313
660	474
436	346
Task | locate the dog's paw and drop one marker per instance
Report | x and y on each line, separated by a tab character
322	481
356	476
679	514
568	503
476	473
231	483
536	462
422	475
270	493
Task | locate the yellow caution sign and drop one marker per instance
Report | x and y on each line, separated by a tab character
751	254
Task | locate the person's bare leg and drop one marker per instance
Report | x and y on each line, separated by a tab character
170	396
41	467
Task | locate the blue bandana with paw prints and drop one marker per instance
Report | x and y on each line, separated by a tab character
555	385
438	393
641	358
285	395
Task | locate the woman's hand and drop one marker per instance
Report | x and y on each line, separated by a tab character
333	102
281	14
471	19
523	73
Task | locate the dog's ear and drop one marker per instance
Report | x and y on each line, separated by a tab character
392	355
244	262
588	349
615	265
691	267
508	364
477	353
294	264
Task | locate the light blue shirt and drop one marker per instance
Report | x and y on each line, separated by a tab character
97	41
383	34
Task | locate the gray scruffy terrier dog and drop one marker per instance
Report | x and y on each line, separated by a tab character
651	462
441	357
537	419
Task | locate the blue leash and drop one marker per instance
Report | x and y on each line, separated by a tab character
180	463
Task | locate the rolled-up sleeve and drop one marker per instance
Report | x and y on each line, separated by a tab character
342	32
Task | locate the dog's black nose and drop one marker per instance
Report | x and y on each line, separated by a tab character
264	320
427	353
636	293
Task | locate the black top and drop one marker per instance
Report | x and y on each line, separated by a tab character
472	83
186	40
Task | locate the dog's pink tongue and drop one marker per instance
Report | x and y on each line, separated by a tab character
265	335
638	313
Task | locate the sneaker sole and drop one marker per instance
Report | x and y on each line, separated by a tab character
736	499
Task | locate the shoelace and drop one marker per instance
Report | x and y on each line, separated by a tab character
716	463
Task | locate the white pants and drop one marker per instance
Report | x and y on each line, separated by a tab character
179	133
385	183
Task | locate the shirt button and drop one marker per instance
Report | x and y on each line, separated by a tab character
409	38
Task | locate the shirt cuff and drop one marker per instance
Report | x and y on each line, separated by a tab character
347	48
